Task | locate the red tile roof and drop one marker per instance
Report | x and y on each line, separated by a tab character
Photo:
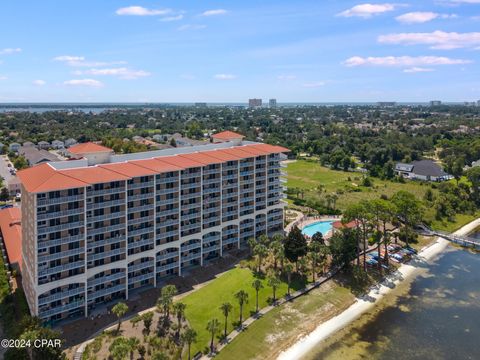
227	135
350	225
156	165
129	169
44	178
11	229
88	148
201	157
183	162
94	175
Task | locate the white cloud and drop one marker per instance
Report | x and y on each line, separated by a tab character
188	77
437	39
315	84
79	61
416	69
402	61
172	18
122	72
419	17
9	51
286	77
224	76
39	82
3	77
465	1
214	12
368	10
191	27
141	11
83	82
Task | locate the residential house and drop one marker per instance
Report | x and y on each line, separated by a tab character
426	170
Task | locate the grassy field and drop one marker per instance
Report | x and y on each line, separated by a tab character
203	304
308	175
283	326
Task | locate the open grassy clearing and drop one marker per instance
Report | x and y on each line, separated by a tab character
308	175
203	304
285	324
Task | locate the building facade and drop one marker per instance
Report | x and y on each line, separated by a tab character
254	103
92	234
272	103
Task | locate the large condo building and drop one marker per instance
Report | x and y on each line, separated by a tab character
97	228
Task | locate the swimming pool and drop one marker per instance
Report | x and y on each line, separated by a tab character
320	226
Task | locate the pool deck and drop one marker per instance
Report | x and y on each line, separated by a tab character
305	221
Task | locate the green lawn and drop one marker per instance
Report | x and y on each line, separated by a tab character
283	325
203	304
309	175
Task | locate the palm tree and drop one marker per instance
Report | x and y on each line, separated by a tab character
166	299
119	349
314	258
133	343
226	308
119	310
260	252
212	327
179	310
274	283
251	244
257	285
147	321
289	271
242	298
189	336
276	249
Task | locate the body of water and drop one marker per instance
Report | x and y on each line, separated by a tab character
436	317
320	226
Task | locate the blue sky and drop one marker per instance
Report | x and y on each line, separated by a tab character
228	51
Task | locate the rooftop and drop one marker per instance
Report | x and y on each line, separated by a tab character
227	135
88	148
48	177
11	229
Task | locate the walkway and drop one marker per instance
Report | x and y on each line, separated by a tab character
461	239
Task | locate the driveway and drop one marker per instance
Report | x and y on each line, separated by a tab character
4	169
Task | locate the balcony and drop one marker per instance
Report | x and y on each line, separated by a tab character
211	171
103	192
60	295
246	172
61	227
230	176
230	213
61	309
56	269
194	256
141	231
191	175
167	267
247	234
137	197
167	234
211	190
103	292
193	246
167	201
110	216
191	227
167	256
110	241
141	185
230	232
60	255
140	243
141	266
106	279
211	210
141	220
59	214
138	278
104	204
232	240
165	180
211	247
191	216
192	206
65	240
169	222
188	196
60	200
169	212
105	229
105	254
167	191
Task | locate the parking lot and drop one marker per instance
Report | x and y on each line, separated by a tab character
5	169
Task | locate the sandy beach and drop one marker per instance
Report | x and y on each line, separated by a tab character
330	327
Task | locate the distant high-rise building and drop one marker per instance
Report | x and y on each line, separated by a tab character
478	102
254	103
435	103
272	103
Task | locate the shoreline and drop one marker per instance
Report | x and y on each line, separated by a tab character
406	271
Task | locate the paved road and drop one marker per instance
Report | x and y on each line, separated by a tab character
4	169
